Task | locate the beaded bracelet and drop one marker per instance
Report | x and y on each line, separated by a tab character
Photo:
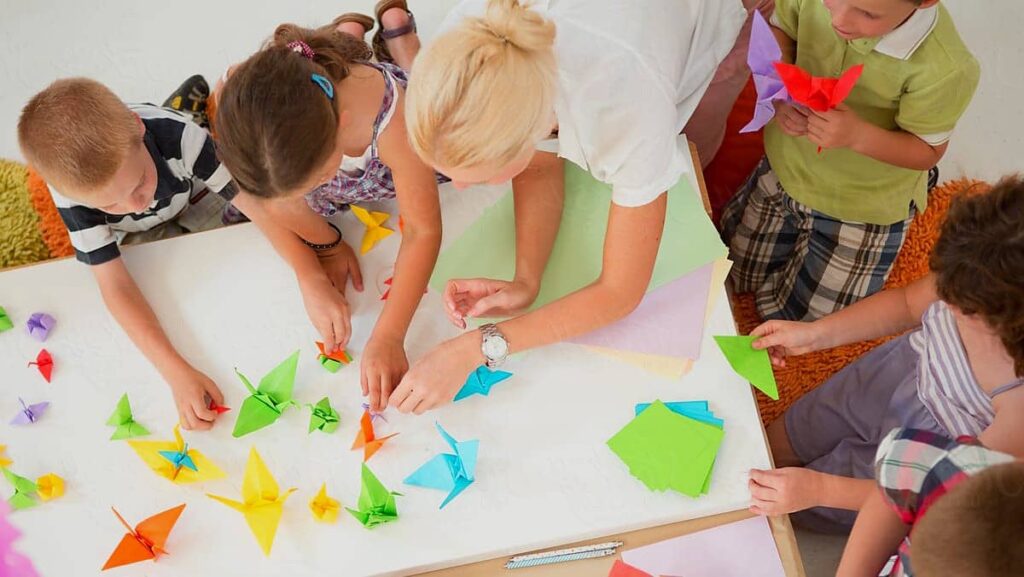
328	246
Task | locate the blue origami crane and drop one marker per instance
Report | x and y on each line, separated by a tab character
480	382
448	472
180	459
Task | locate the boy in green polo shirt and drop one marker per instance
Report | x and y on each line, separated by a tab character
812	233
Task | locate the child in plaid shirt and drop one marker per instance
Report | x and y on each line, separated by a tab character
952	508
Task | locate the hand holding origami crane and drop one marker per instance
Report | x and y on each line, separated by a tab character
334	360
447	471
262	501
818	93
44	362
376	504
146	541
122	418
39	326
29	413
764	53
367	439
480	382
323	417
174	460
375	229
266	403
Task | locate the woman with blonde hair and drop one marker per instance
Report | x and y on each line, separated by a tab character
507	91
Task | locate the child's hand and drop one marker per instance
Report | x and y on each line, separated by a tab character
782	491
837	128
484	297
192	392
791	119
382	367
340	263
785	339
328	311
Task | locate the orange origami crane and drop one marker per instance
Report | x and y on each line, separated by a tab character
146	540
815	92
366	439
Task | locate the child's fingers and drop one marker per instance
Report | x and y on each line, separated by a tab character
186	419
767	509
385	390
356	273
202	412
364	380
762	477
761	492
213	391
763	329
373	382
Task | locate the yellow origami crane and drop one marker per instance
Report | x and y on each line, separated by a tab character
50	486
325	508
262	501
4	460
174	460
375	229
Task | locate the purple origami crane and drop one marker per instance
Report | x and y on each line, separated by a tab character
12	563
764	53
39	325
29	413
373	414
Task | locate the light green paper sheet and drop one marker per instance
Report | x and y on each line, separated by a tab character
487	248
749	363
666	450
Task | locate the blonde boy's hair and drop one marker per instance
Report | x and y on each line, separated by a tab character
976	530
484	92
76	133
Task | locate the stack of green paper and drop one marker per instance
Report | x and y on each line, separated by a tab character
667	450
487	248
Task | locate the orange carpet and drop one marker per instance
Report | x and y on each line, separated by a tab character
55	235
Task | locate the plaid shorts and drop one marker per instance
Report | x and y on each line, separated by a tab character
800	263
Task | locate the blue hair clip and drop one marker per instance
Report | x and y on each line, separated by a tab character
326	85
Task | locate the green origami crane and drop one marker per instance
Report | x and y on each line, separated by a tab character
24	491
323	417
6	323
266	403
376	503
122	418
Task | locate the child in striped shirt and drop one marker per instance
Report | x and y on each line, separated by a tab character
116	172
957	373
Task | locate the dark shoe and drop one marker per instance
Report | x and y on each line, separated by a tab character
190	98
381	36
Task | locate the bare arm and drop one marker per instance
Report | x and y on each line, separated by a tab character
876	536
787	44
885	313
1006	433
897	147
539	194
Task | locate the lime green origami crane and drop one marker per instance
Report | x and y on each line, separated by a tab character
376	503
123	419
324	417
25	491
266	403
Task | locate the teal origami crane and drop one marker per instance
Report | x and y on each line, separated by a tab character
25	491
376	504
323	417
480	382
180	459
266	403
448	472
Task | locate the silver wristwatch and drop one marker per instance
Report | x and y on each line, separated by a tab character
493	345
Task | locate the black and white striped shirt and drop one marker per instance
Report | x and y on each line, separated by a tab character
186	165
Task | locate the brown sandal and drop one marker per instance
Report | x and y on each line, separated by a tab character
362	19
381	36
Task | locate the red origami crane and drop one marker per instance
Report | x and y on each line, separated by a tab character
219	409
45	364
818	93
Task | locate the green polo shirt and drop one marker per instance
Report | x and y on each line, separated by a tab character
918	78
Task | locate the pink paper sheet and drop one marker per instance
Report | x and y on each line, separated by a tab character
742	549
668	322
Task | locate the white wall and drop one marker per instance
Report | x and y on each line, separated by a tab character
143	49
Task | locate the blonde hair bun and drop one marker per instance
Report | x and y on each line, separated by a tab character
513	23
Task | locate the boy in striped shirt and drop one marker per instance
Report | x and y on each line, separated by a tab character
118	174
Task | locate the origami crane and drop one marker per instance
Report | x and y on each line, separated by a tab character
332	361
375	229
219	409
174	460
4	459
323	417
122	418
25	491
39	326
324	507
817	93
146	541
6	323
44	362
764	53
366	439
29	413
376	504
49	487
374	415
447	471
480	382
262	501
266	403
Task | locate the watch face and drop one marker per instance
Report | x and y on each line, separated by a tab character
495	347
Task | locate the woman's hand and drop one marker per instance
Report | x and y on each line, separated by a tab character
483	297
